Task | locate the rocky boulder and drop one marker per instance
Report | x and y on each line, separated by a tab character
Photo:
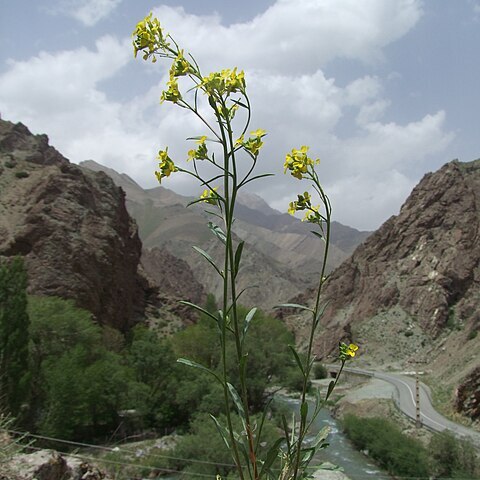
467	399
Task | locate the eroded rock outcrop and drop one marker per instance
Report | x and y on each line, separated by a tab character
424	262
72	227
468	396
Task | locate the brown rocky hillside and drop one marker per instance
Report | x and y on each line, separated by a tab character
281	256
410	294
74	231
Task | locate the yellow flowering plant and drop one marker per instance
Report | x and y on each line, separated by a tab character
226	94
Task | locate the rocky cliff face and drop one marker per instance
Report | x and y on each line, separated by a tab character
468	396
409	294
72	227
424	261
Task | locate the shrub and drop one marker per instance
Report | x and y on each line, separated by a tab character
22	174
394	451
473	334
319	371
453	458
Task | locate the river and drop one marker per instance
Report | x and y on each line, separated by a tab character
340	451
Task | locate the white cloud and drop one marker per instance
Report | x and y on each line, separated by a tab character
367	169
87	12
294	35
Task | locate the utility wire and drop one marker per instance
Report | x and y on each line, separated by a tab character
166	470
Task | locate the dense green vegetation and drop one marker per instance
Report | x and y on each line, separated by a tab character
14	324
89	382
400	455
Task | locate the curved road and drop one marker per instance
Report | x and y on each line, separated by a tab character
430	418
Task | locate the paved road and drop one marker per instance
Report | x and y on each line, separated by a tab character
405	386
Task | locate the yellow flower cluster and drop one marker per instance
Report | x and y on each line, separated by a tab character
148	37
172	94
210	196
201	153
225	82
254	143
347	351
304	202
180	66
166	165
297	162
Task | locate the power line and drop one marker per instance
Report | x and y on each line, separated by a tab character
116	449
187	460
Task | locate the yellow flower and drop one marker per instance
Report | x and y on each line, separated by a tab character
201	153
347	352
166	165
352	348
149	37
254	143
180	66
234	81
173	93
210	196
297	162
292	208
239	141
225	82
258	133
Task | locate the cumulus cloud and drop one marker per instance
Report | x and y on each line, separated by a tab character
369	168
87	12
294	35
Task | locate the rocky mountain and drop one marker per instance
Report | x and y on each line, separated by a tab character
410	293
280	252
74	231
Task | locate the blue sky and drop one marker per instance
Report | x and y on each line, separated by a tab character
383	91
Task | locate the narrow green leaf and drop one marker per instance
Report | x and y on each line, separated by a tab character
272	455
255	178
248	319
319	235
287	433
318	399
238	102
218	232
297	359
238	256
193	364
309	453
237	401
200	309
294	305
221	430
262	421
211	101
331	386
208	258
321	436
193	202
320	314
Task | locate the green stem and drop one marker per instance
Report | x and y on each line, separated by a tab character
227	266
235	320
308	361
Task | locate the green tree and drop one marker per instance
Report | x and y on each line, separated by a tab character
14	322
85	392
79	386
453	458
153	364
